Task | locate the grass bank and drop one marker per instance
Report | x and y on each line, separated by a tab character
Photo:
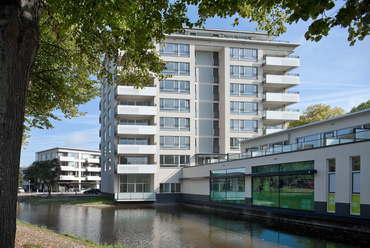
57	200
30	236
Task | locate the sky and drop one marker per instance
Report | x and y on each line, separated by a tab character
331	72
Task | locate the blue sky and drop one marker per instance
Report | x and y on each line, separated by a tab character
331	72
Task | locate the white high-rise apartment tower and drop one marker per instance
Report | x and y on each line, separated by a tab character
225	86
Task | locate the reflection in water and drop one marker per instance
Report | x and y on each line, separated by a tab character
180	226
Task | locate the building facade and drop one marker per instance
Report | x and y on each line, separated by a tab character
318	170
223	87
80	168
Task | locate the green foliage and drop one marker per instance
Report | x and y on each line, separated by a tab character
317	112
95	201
47	172
32	245
362	106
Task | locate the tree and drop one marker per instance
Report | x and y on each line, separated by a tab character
49	49
317	112
362	106
46	172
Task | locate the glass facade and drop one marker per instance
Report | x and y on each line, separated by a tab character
228	189
284	191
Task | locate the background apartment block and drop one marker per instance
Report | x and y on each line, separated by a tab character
80	168
225	86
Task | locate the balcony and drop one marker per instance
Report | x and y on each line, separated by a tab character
281	81
136	129
136	149
144	196
93	169
147	92
68	168
93	178
135	110
280	99
67	159
93	160
274	63
136	168
276	117
68	177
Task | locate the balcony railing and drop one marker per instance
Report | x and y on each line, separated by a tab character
144	196
324	142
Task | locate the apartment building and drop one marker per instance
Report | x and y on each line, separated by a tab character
223	87
80	168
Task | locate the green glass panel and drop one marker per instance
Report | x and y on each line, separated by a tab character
355	204
331	203
268	199
306	165
265	168
299	201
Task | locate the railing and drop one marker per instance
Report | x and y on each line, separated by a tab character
323	142
144	196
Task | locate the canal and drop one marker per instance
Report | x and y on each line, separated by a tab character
181	226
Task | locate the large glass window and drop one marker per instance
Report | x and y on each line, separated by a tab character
235	143
331	185
134	160
134	141
171	123
249	72
180	105
231	190
175	142
134	103
243	108
175	160
243	54
171	49
134	183
243	90
177	68
169	188
134	122
173	86
243	126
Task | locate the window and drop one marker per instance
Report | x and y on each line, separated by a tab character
356	185
169	188
175	160
235	143
105	151
109	96
134	122
109	130
180	105
173	86
109	113
109	163
134	141
109	147
231	190
243	72
243	90
171	49
331	185
105	135
105	166
134	183
105	120
134	103
170	123
177	68
175	142
134	160
243	54
105	105
243	108
243	126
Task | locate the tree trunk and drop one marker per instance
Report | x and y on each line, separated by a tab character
19	34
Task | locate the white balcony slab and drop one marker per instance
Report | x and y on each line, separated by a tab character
277	117
131	91
93	178
136	129
69	168
93	160
270	131
93	169
67	177
136	168
136	110
66	159
279	64
277	99
136	149
281	81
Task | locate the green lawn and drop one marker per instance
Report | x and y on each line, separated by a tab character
96	200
